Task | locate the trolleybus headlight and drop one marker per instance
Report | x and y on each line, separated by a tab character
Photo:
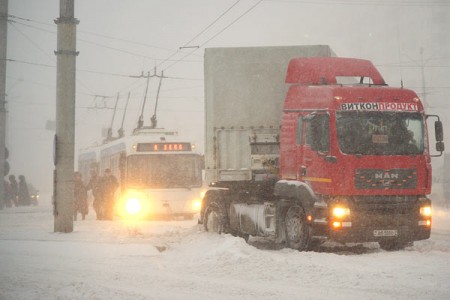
425	211
133	206
340	212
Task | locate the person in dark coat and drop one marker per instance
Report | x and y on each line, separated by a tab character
14	187
95	187
23	195
109	187
80	197
7	194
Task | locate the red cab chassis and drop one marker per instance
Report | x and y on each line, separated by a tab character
350	163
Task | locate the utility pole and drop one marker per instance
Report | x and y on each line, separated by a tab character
64	143
3	48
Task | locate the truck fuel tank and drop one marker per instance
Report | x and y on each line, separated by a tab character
254	219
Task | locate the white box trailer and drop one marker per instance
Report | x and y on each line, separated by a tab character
244	94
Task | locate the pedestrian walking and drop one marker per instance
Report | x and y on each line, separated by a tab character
7	196
95	187
14	187
23	194
80	197
109	187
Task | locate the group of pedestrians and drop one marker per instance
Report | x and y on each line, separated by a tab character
102	188
16	193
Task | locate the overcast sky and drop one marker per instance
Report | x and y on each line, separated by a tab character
119	40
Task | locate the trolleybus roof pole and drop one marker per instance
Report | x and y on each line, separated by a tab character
120	131
109	137
141	117
153	119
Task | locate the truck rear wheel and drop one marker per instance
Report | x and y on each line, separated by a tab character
213	220
297	230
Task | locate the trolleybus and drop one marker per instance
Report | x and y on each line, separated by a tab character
159	174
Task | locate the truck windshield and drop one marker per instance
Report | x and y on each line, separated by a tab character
380	133
164	171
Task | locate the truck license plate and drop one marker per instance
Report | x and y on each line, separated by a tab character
385	232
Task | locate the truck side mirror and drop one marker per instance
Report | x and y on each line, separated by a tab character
438	134
438	130
440	147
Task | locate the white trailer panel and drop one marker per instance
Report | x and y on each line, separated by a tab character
244	95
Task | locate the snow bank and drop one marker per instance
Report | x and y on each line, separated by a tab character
179	260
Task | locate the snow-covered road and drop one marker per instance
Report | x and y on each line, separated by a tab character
178	260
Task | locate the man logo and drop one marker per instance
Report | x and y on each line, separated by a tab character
386	177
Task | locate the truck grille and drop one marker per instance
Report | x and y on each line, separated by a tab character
385	179
384	211
385	205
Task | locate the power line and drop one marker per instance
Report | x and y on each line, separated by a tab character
98	44
232	23
29	63
84	32
95	34
218	33
409	66
128	52
367	2
90	71
201	32
212	23
29	20
32	42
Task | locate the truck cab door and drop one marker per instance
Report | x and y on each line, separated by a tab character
315	163
300	141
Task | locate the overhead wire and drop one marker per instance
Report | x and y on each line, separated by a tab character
32	42
201	32
212	23
367	2
95	43
88	33
89	42
218	33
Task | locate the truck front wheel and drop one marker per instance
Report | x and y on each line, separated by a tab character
298	234
213	220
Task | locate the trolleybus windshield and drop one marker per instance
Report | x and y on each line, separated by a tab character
164	171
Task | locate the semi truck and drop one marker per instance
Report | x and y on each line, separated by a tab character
305	147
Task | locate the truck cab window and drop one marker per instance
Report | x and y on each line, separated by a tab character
381	133
317	133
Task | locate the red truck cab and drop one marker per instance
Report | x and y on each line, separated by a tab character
361	147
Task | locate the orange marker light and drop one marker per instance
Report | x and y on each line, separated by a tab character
337	225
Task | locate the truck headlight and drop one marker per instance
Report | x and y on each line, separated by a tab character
340	212
425	211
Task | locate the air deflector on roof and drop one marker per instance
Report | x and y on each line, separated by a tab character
324	70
